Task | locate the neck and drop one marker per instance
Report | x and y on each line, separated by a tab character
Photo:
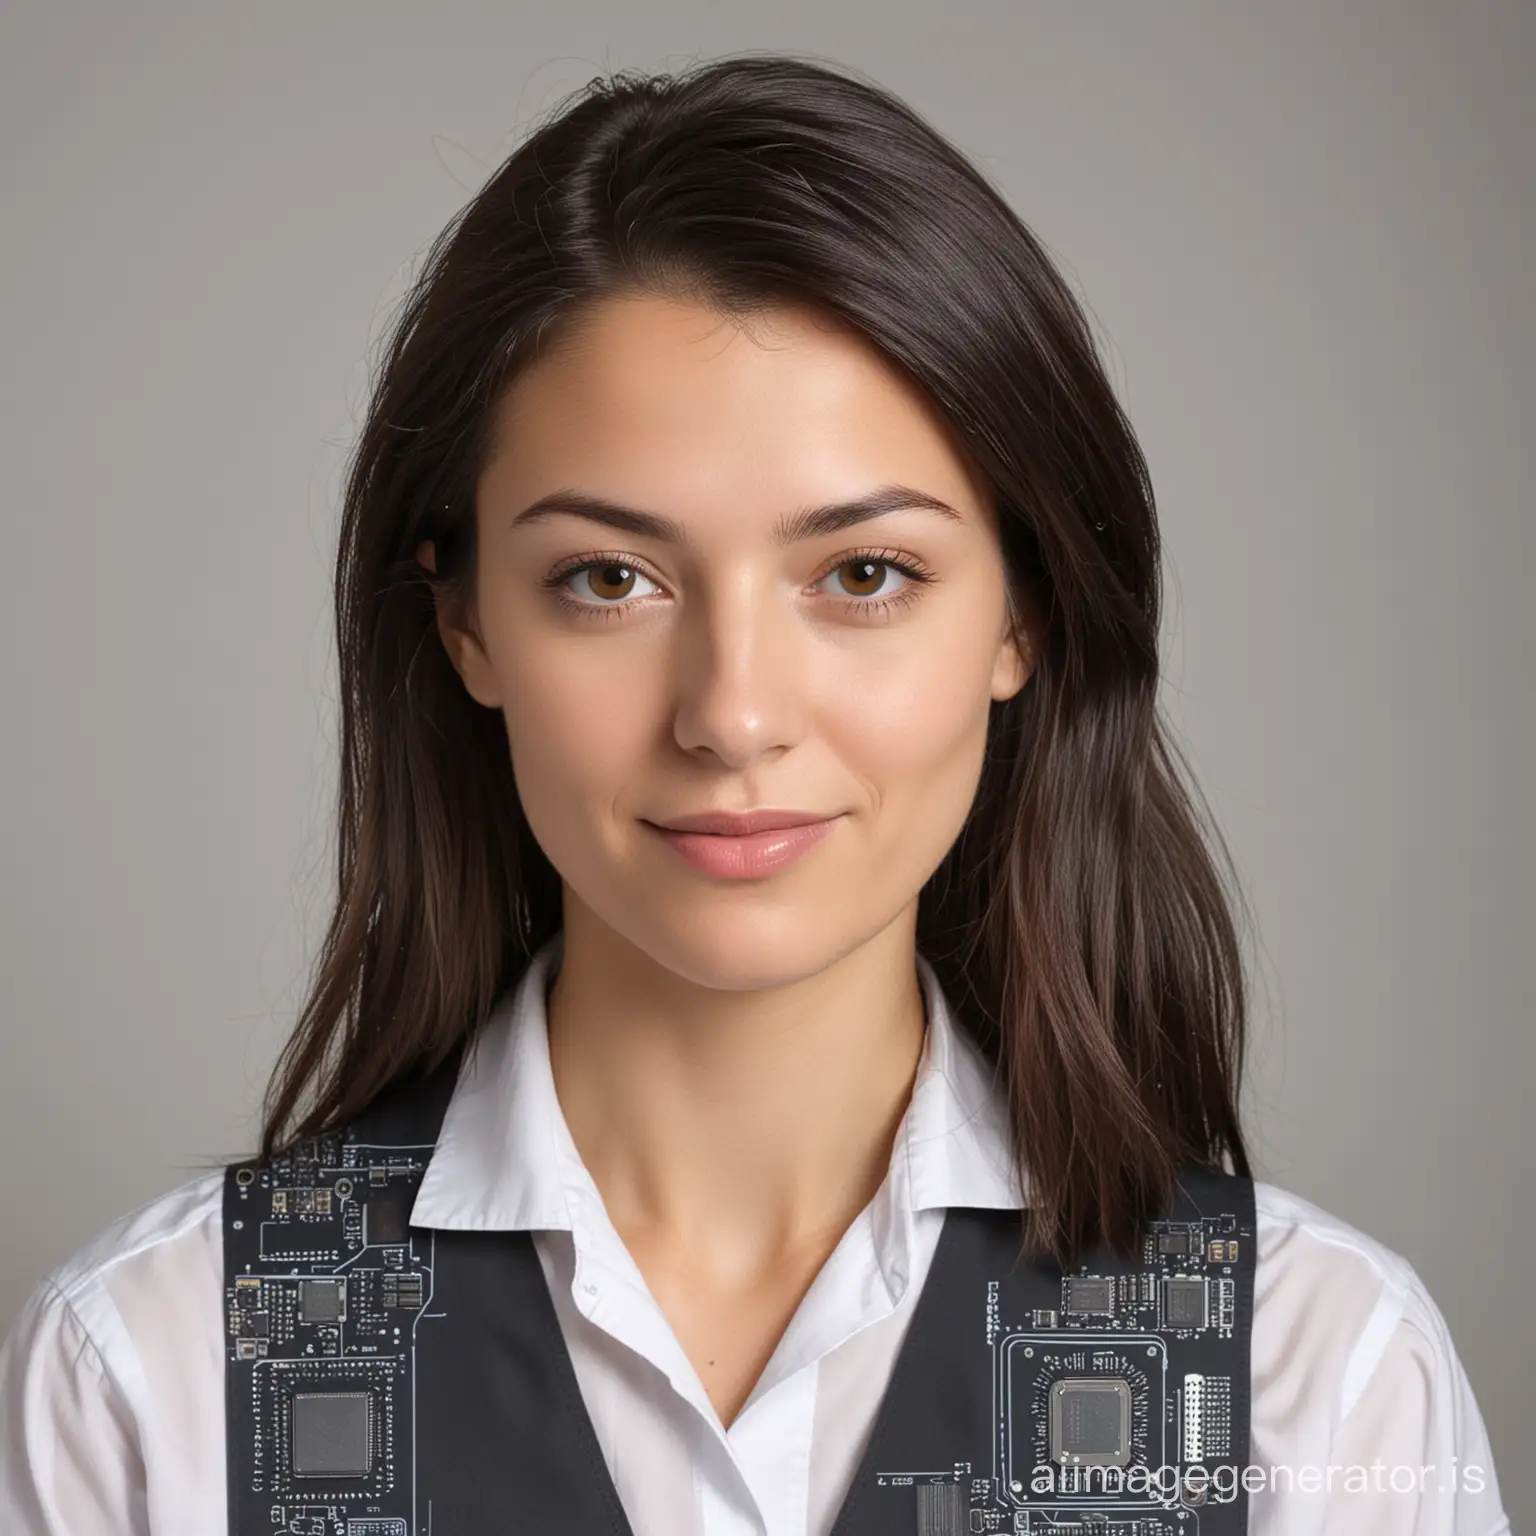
737	1128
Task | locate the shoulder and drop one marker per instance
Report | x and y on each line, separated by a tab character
1353	1361
140	1238
1301	1243
127	1293
114	1371
164	1258
1326	1293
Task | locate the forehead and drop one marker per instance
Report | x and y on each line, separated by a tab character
681	407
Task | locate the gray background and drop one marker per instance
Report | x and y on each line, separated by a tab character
1306	233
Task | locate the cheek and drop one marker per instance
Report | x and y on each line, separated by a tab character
580	729
913	726
915	737
580	737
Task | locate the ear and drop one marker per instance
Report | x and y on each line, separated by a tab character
461	638
1015	661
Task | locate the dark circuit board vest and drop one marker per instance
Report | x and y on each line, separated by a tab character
390	1380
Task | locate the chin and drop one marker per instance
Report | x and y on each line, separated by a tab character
748	947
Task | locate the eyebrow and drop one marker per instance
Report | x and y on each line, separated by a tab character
810	523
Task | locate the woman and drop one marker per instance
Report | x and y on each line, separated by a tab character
756	828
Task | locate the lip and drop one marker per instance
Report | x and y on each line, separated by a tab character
740	823
745	855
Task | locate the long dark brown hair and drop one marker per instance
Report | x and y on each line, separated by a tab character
1080	924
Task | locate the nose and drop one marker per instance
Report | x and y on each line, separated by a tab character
741	673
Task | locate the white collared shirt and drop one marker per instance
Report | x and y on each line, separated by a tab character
112	1379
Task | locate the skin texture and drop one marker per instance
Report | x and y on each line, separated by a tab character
734	1058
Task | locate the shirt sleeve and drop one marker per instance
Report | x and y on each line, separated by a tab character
1411	1455
70	1456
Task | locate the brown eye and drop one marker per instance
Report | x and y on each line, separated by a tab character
867	575
864	576
610	581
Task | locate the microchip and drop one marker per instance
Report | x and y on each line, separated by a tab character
1090	1421
258	1325
1173	1242
330	1434
1184	1302
401	1290
320	1301
1088	1293
388	1221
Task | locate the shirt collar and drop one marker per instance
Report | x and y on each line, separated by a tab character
505	1160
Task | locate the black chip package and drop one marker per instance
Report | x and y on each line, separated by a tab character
1090	1421
1184	1302
388	1220
1088	1293
320	1301
331	1434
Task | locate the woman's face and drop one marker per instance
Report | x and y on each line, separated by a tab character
716	656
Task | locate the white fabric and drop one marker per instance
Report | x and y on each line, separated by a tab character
111	1380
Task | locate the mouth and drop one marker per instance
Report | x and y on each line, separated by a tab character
744	854
741	823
